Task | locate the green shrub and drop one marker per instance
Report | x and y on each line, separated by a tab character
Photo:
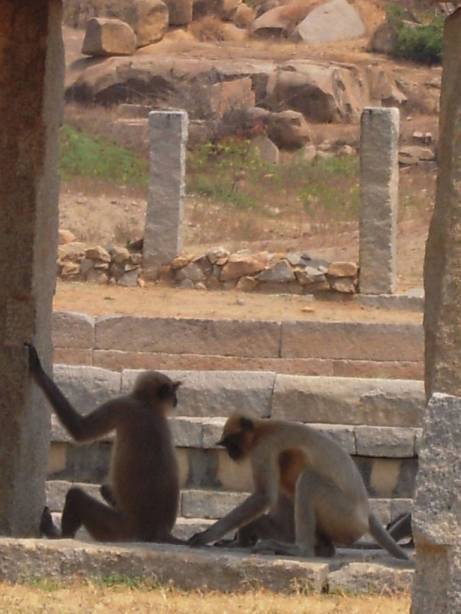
420	43
83	155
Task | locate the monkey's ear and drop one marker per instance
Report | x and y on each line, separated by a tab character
246	424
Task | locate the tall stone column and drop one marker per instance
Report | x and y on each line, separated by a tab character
437	514
31	82
442	266
164	215
379	188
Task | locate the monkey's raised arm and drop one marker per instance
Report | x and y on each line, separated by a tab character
265	476
82	428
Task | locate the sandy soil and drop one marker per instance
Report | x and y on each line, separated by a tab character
162	301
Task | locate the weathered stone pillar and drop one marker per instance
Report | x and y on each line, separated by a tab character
442	267
379	185
162	234
437	514
31	78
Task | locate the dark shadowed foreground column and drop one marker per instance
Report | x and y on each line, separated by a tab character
379	189
162	234
437	514
442	267
31	77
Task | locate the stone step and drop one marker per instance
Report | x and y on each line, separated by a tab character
199	507
385	457
204	433
331	400
218	569
350	349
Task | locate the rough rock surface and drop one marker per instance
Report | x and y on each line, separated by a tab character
288	129
437	515
332	21
108	37
31	77
442	268
194	569
379	183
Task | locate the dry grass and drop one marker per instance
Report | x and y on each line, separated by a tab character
212	29
86	597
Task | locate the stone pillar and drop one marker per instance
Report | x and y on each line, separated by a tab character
437	513
31	81
162	234
442	267
379	185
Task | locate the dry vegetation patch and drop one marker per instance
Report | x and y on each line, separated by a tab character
119	595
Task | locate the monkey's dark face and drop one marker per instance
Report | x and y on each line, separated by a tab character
157	390
234	445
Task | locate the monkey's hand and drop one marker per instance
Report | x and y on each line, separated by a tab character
35	365
201	539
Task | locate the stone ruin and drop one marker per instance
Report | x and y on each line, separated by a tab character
33	79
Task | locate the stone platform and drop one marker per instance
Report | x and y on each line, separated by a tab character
206	569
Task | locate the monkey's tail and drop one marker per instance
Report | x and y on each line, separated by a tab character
384	539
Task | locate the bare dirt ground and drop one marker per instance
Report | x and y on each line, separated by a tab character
161	301
83	597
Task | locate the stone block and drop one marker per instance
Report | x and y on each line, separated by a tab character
371	578
384	477
56	458
208	503
382	509
233	476
187	432
390	442
186	527
348	400
73	356
379	182
212	431
197	336
72	330
373	368
182	457
87	387
56	491
352	341
105	37
178	566
400	506
118	360
343	434
437	519
218	393
162	233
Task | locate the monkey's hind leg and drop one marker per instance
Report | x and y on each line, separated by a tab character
102	522
47	526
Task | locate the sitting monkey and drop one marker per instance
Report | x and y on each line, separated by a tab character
144	483
329	496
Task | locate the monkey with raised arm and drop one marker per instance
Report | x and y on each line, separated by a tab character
312	470
143	477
